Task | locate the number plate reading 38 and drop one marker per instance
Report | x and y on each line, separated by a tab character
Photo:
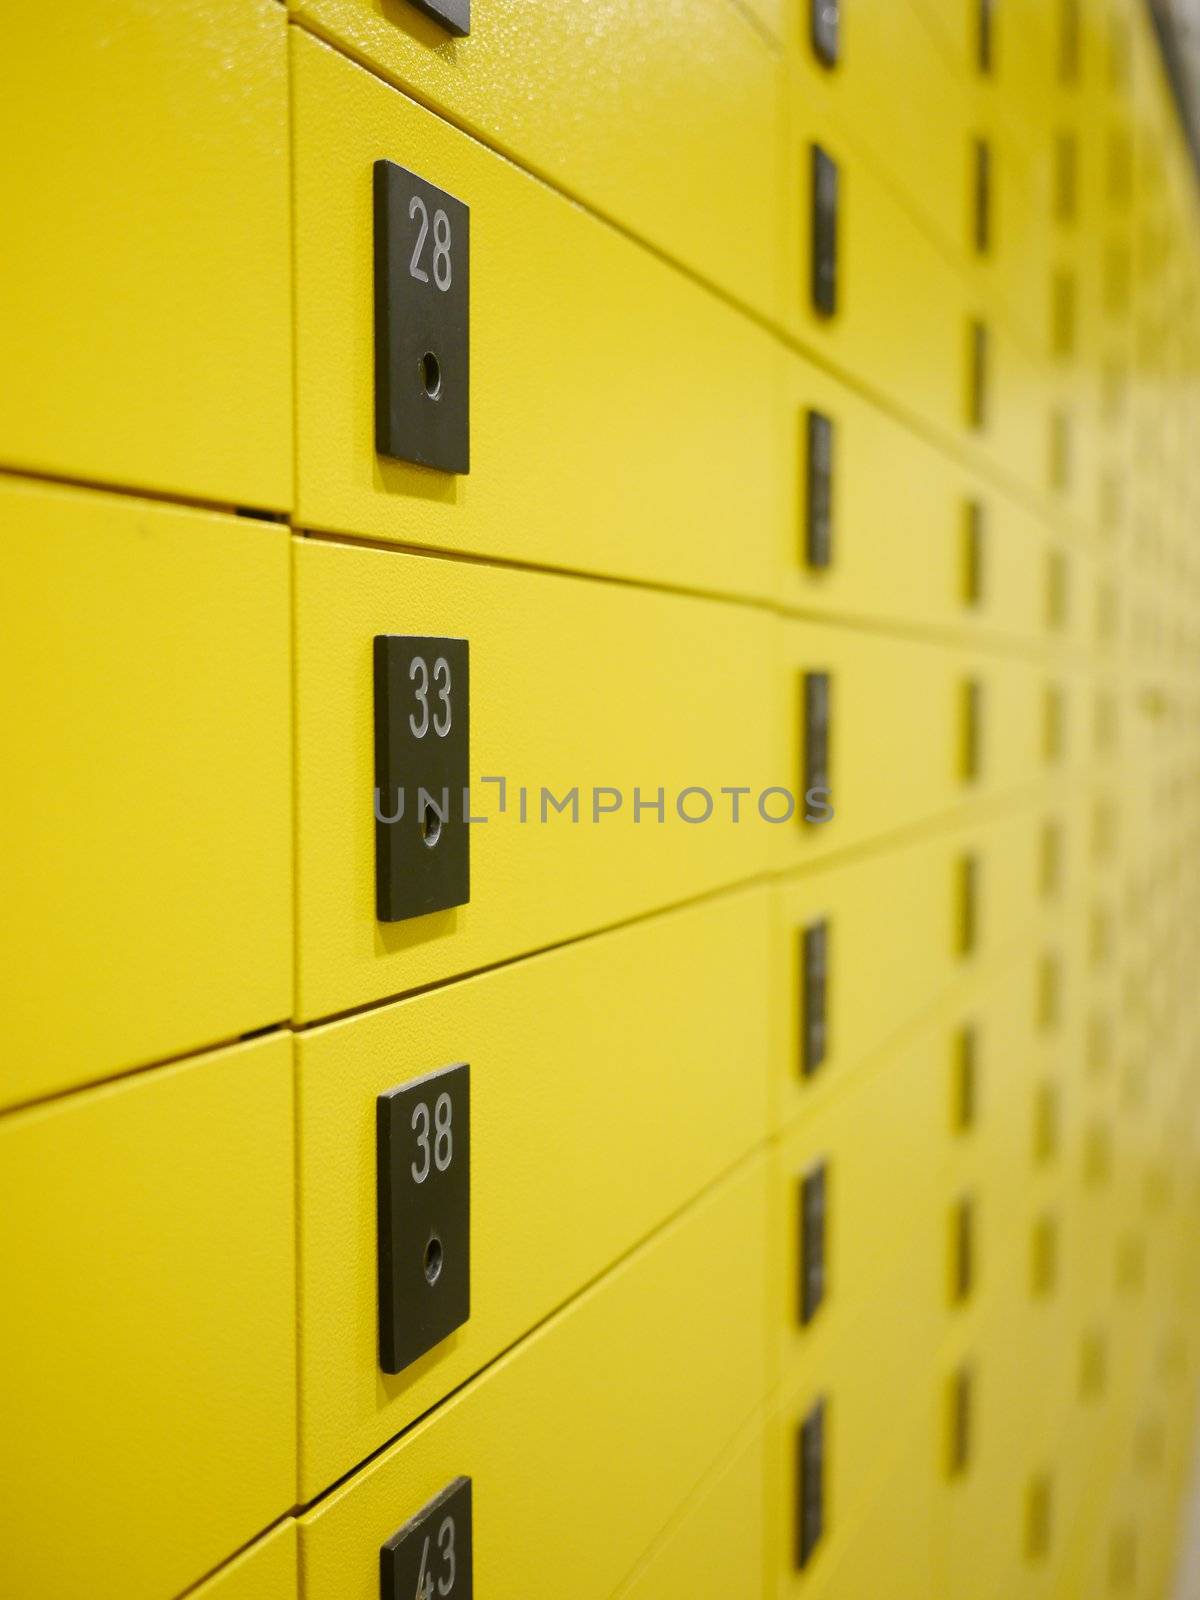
424	1193
430	1558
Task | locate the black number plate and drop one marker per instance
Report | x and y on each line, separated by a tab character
424	1193
422	322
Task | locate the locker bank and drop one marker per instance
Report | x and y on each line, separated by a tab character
601	691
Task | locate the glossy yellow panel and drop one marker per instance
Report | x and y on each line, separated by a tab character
894	247
269	1570
893	948
147	852
650	417
666	120
916	140
773	16
1028	194
891	1531
1016	433
873	1141
1008	626
898	731
884	259
1018	1340
716	1546
557	1071
149	1338
573	684
1021	73
898	1157
901	526
1004	1132
146	338
585	1440
878	1504
982	1504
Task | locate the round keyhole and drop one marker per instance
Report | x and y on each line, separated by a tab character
431	374
430	823
433	1260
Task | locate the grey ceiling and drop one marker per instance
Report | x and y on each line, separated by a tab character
1178	24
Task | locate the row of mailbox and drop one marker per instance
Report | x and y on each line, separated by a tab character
1088	1514
877	258
1113	1509
241	1207
910	85
693	399
196	745
1066	1265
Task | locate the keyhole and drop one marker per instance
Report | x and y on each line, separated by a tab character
433	1260
431	374
430	823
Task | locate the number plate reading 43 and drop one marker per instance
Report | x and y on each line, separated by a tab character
422	326
431	1555
424	1195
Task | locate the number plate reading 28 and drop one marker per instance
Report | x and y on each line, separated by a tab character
454	15
431	1555
424	1198
422	322
422	773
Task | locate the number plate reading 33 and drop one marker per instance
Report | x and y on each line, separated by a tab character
431	1555
422	772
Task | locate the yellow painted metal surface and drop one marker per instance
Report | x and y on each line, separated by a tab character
901	517
1005	1106
884	260
620	651
715	1547
144	275
147	845
587	1437
896	747
268	1570
597	1086
891	1532
148	1342
893	928
688	487
885	1259
913	140
591	100
872	1141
